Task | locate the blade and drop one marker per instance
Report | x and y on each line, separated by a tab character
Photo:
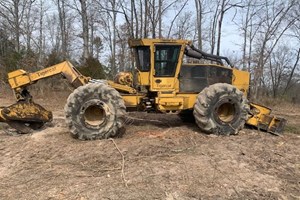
26	112
25	127
36	125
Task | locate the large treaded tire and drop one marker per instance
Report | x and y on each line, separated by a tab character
95	111
221	109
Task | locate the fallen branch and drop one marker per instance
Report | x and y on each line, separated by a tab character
123	161
148	120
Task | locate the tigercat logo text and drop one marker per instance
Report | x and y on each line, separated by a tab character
163	85
43	73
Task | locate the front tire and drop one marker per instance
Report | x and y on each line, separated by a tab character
221	109
95	111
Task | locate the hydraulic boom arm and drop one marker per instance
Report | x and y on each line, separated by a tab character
25	114
19	79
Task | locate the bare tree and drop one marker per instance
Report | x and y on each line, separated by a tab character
278	67
109	11
61	7
13	12
292	73
225	6
53	30
29	23
41	43
274	24
85	28
249	24
156	13
199	17
184	27
175	17
146	19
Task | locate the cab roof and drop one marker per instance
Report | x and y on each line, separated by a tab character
149	42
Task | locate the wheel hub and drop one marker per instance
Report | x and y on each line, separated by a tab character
94	113
225	111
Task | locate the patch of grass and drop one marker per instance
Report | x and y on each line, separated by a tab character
293	128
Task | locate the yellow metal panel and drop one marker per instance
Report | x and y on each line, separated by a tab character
164	84
189	100
66	68
171	103
21	78
179	101
120	87
143	78
241	80
258	112
17	78
262	119
170	93
16	73
132	100
148	42
19	81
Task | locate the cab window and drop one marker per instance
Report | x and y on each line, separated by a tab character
166	59
143	58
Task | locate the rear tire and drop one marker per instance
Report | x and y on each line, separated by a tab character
95	111
221	109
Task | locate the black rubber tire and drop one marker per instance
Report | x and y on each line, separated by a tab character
214	98
187	116
95	97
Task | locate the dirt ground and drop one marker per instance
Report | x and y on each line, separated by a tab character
158	157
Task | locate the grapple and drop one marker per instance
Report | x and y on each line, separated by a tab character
262	119
25	116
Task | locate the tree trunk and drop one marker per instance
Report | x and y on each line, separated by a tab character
159	18
245	35
41	35
213	29
222	12
17	25
146	20
199	16
85	29
292	72
62	24
153	19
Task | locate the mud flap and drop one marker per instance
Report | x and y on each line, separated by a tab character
261	118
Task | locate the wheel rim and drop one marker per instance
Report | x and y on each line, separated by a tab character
226	111
94	113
